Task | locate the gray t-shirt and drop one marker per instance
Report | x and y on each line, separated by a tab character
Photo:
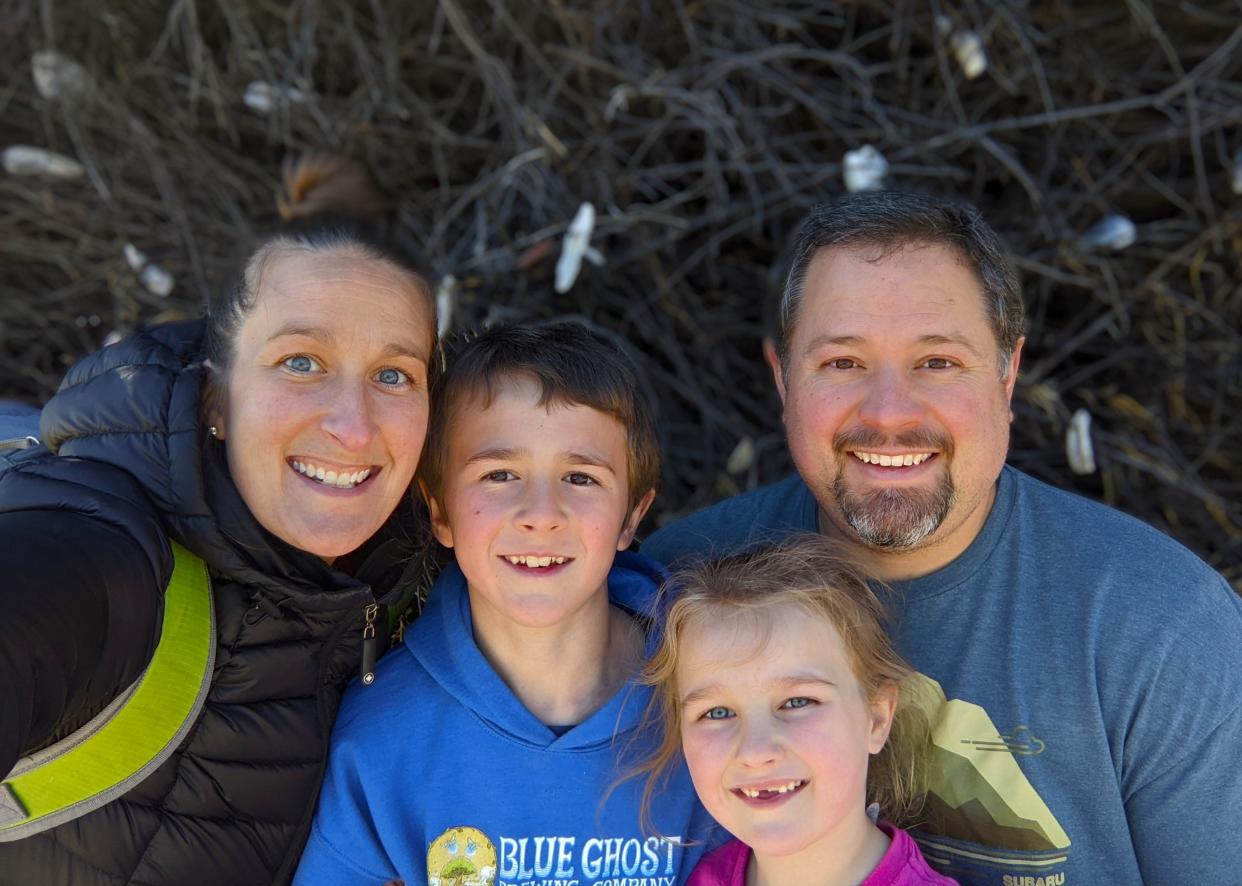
1091	671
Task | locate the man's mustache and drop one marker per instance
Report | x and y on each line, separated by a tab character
867	439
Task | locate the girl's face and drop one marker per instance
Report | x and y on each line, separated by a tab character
327	397
777	730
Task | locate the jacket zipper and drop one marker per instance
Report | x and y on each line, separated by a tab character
368	644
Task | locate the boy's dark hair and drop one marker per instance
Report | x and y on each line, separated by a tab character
572	365
892	221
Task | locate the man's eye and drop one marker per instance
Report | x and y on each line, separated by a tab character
717	713
577	478
841	363
798	701
392	377
302	363
938	363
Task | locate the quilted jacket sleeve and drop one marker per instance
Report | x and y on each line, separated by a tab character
83	567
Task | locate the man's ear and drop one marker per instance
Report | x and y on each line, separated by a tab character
883	707
773	359
1012	380
440	527
630	529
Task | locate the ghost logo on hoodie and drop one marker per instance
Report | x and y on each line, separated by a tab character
461	856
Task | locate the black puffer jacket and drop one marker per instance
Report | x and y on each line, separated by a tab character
85	561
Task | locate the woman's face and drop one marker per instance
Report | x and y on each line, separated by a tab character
326	406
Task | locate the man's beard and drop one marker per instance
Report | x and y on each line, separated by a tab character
894	518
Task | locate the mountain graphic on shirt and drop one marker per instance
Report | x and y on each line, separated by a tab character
976	790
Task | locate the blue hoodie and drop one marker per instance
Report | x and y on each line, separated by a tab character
439	767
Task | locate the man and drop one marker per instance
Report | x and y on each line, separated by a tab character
1083	671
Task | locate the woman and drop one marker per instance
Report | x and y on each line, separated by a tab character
277	442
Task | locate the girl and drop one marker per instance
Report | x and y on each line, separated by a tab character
777	680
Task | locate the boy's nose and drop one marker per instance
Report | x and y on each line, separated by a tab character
541	508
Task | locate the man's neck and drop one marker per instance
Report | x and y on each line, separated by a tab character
565	672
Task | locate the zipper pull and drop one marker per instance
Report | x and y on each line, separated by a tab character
368	644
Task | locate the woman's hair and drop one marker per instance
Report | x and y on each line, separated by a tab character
227	307
812	573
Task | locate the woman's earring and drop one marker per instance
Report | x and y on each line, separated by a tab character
214	431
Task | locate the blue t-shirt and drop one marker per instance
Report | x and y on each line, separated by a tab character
439	774
1085	676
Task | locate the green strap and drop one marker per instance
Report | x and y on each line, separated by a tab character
112	753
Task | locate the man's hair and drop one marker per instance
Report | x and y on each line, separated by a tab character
571	364
891	221
815	575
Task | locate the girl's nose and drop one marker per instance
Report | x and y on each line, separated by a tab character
759	744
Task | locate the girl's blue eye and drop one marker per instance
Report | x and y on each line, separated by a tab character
800	701
392	377
302	363
718	713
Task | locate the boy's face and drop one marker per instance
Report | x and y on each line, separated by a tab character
535	504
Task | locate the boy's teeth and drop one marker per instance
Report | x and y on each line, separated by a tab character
341	480
896	461
536	562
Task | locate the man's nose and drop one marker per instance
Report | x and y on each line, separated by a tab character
891	402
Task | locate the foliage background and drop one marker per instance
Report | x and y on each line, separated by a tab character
700	131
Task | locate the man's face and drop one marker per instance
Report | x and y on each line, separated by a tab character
896	408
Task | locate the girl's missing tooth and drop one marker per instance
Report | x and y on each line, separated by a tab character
777	680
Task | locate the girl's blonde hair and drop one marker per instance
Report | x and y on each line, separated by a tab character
812	573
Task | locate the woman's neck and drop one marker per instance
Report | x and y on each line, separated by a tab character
844	857
564	673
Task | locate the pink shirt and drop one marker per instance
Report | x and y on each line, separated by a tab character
902	865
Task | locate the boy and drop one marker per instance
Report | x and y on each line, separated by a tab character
485	752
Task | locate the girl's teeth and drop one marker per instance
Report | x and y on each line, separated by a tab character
756	793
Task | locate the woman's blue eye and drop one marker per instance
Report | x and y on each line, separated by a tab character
391	377
302	363
718	713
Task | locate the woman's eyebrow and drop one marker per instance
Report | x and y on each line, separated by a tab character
325	334
319	333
